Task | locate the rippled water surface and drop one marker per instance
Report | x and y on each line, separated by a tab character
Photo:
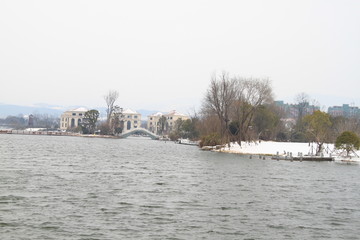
136	188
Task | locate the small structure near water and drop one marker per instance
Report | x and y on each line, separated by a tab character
187	142
301	158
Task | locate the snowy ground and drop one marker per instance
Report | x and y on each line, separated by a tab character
281	148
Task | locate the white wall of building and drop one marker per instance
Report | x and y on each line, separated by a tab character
72	118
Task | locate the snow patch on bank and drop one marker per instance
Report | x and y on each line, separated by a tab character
286	148
272	148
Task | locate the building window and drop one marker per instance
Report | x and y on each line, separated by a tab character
129	116
80	114
151	118
74	114
135	116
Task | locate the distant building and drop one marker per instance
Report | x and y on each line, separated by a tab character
153	122
289	123
292	110
345	111
154	125
31	121
72	118
131	119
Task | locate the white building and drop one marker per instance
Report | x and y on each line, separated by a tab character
131	119
72	118
153	122
154	125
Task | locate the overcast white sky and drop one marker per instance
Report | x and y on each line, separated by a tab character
161	54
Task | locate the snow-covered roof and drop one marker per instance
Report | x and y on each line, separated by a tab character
158	114
129	111
80	109
171	113
175	113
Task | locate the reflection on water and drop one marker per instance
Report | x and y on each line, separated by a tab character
136	188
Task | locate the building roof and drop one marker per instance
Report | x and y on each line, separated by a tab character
158	114
171	113
175	113
129	111
80	109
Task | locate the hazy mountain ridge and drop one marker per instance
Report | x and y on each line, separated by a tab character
56	111
15	110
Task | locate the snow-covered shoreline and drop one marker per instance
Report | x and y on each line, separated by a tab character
270	148
274	148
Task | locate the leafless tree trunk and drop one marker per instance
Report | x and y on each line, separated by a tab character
219	98
302	101
110	99
251	94
235	100
115	122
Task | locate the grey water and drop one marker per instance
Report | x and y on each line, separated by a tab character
54	187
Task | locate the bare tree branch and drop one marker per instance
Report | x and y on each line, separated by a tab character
110	99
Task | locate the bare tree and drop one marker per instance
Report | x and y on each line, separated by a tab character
209	123
302	101
162	124
251	94
342	124
219	98
110	99
117	124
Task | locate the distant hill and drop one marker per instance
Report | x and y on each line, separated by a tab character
144	113
15	110
56	111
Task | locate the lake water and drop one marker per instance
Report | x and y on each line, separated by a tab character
137	188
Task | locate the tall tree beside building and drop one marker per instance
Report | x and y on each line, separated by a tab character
90	120
162	124
185	129
110	99
117	125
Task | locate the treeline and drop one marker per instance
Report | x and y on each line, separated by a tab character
33	121
242	109
234	109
